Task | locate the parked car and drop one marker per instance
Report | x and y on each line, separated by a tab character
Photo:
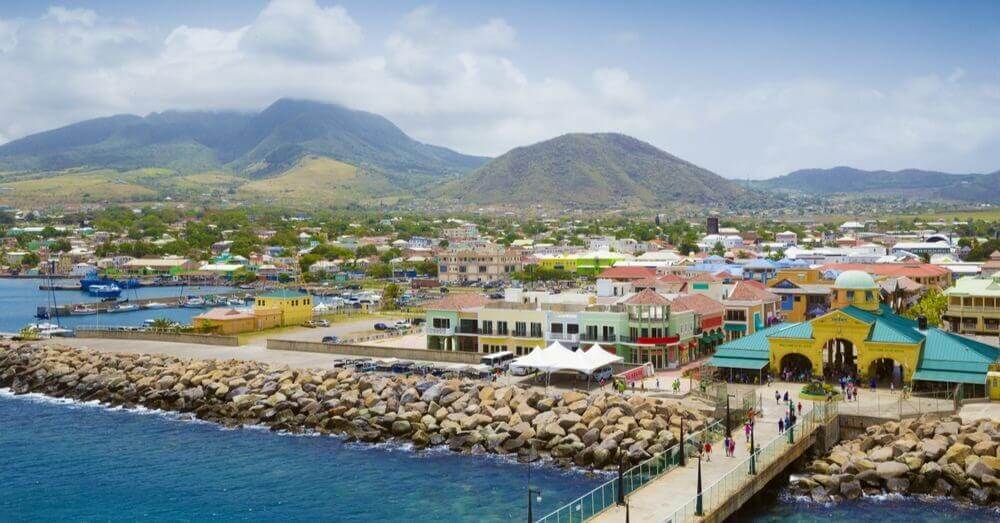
311	324
521	371
322	323
401	324
381	326
368	366
330	339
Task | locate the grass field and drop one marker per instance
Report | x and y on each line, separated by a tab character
317	180
96	186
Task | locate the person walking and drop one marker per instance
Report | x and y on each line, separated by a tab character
781	426
732	447
800	408
786	396
746	430
708	451
777	398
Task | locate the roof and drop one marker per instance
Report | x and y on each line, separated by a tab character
457	302
902	282
627	273
975	286
647	297
748	290
699	303
224	314
283	294
857	280
890	269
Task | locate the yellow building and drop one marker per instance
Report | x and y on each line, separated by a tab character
862	337
295	307
232	321
804	293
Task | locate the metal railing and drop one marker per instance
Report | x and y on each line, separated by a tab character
440	331
899	404
733	482
606	494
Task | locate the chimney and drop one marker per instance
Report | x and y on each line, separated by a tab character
922	322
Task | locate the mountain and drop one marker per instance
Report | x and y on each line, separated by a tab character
913	183
249	145
593	170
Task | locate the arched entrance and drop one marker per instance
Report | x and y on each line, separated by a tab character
796	367
886	371
840	358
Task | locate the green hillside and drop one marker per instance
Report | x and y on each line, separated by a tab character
913	183
594	170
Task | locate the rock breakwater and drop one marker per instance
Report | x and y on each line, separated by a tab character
929	456
594	430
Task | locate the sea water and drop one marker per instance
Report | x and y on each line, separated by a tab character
61	460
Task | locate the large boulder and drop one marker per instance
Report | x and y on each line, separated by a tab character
850	489
957	453
891	469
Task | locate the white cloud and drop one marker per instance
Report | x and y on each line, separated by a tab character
302	30
459	85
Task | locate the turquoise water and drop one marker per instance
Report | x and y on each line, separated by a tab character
19	297
66	461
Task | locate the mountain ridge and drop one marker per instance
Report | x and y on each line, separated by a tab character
913	183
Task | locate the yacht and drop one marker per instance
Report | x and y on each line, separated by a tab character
83	310
155	305
47	330
194	302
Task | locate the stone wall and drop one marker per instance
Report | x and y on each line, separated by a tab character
368	351
171	337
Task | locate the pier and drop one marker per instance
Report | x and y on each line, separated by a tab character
169	301
661	490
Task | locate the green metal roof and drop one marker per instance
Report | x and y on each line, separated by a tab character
801	330
976	286
737	363
948	346
950	376
734	328
887	326
283	293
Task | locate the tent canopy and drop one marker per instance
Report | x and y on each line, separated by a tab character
556	357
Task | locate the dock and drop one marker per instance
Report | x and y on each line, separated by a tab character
173	302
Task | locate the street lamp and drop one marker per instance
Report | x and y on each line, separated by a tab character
531	491
753	447
683	461
729	428
791	415
698	508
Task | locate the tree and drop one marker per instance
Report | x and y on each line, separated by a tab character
30	260
365	251
983	251
390	297
932	306
718	249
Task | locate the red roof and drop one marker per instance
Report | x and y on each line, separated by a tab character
749	290
910	270
699	303
647	297
457	302
628	273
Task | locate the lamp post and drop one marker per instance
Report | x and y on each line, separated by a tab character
698	508
531	491
683	461
791	414
621	481
729	428
753	448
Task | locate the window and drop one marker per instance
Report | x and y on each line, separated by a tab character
487	327
556	328
520	329
850	295
536	330
502	328
442	323
572	328
591	332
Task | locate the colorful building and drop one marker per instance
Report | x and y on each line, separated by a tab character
974	305
750	307
294	307
803	293
232	321
862	337
584	264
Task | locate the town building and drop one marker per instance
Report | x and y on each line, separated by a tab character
992	266
861	337
974	305
160	266
294	307
922	273
485	264
750	307
231	321
803	293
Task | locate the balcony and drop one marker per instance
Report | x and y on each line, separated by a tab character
600	339
440	331
562	336
468	331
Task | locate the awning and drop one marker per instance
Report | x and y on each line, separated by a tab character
737	363
735	328
949	376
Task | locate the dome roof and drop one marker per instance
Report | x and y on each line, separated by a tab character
856	280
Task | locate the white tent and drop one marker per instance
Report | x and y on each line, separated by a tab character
535	360
596	358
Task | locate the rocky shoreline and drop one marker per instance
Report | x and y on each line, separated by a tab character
593	431
925	456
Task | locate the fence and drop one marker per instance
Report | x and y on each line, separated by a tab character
897	404
732	486
375	351
150	334
606	495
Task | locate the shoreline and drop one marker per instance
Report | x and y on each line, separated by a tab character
568	429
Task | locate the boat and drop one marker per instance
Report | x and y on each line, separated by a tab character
83	310
131	283
193	302
47	330
124	307
93	279
105	291
155	305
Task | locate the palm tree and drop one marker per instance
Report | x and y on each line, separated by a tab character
163	324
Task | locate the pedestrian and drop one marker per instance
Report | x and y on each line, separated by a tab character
732	448
746	430
657	383
708	451
800	408
781	426
777	398
786	396
725	445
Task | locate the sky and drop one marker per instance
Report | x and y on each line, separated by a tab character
746	89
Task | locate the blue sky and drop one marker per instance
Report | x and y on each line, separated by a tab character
747	89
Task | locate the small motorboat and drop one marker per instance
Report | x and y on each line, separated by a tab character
105	291
193	302
155	305
47	330
124	307
83	310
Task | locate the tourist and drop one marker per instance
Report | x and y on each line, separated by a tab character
874	384
781	426
786	396
725	445
777	398
708	451
800	408
657	383
746	430
732	447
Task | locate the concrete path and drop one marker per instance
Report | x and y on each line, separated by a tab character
662	497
